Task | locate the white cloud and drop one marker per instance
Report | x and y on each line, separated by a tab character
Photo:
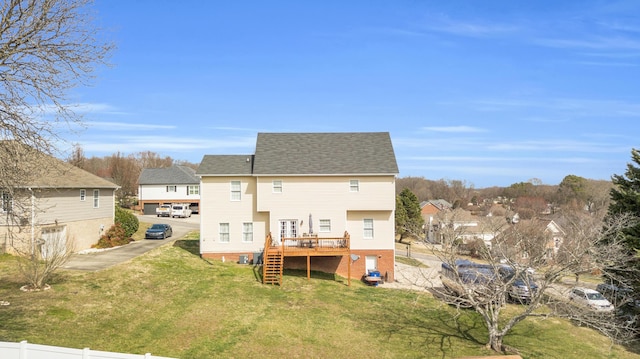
454	129
469	29
122	126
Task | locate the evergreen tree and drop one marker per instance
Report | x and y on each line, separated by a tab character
409	219
625	200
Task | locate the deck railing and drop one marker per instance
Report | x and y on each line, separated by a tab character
309	244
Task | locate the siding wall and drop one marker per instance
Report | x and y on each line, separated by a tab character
63	207
159	193
217	207
322	197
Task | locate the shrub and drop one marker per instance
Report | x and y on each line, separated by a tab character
127	220
115	236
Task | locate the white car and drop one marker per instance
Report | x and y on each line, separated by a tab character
590	298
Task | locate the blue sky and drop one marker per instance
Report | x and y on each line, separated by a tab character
488	92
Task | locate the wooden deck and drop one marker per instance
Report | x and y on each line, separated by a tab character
308	246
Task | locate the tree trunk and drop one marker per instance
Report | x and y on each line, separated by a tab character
495	340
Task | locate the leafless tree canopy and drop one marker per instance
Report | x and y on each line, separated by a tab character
527	253
47	47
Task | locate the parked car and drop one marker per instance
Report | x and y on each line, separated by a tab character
591	299
614	293
164	210
523	287
159	230
181	210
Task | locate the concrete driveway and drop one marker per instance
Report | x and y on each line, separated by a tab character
101	259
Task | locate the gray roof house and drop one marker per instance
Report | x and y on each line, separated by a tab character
55	202
324	198
176	184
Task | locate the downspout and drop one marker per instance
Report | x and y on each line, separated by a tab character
33	230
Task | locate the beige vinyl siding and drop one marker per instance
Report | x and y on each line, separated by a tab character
217	207
375	192
327	198
64	205
383	229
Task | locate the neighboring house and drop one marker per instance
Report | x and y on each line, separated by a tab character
176	184
537	238
320	201
55	201
466	227
429	211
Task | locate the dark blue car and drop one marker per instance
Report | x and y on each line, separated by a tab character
158	231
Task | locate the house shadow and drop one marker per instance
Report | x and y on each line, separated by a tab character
297	273
190	245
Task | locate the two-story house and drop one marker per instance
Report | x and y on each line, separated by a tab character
176	184
52	201
322	201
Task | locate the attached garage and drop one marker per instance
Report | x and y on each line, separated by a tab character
150	207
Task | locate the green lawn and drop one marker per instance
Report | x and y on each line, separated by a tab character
170	302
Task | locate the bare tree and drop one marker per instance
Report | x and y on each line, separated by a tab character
520	269
50	251
124	171
47	48
148	159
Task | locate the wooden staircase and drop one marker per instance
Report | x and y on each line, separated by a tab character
272	264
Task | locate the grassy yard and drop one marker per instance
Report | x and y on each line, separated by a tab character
170	302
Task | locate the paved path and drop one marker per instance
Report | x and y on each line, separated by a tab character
102	259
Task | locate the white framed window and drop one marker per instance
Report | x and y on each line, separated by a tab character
235	190
277	186
7	202
354	185
172	189
367	224
325	225
83	195
193	190
288	228
247	232
224	232
96	198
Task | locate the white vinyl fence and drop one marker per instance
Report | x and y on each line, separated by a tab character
24	350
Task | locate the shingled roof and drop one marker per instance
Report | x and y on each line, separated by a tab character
347	153
35	169
235	165
168	175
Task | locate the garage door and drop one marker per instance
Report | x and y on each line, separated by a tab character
150	208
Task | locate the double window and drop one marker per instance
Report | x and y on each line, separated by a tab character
225	232
193	190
